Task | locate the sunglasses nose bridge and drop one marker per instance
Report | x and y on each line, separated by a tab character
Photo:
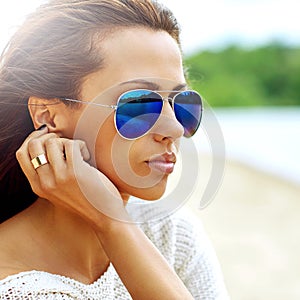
167	122
168	99
168	111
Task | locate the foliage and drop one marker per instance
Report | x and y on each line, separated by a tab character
268	75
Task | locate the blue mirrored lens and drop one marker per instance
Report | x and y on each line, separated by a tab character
137	112
188	111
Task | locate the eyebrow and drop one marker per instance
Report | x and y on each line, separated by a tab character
153	86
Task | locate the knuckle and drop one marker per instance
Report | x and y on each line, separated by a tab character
81	143
52	141
69	143
36	190
33	144
52	135
60	178
68	179
19	154
47	186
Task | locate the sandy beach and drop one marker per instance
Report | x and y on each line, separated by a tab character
254	224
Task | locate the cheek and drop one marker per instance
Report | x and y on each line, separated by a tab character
68	122
113	153
123	161
104	141
120	161
136	160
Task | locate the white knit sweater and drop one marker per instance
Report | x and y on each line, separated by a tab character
183	243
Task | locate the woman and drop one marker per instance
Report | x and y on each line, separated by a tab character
97	77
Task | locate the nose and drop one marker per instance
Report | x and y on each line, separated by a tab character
167	126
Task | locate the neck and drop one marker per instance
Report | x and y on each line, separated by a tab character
64	243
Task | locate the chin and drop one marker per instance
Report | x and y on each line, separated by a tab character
150	197
151	194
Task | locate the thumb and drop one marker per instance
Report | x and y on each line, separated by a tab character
84	151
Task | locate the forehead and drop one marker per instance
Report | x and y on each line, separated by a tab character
136	53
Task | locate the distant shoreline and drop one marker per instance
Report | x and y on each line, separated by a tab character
266	139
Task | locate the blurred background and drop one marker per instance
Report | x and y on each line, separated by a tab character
243	56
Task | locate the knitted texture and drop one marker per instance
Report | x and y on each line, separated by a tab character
181	240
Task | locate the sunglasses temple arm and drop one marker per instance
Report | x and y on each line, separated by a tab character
91	103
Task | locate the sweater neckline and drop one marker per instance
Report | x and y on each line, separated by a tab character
101	280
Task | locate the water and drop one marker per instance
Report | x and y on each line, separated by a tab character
265	138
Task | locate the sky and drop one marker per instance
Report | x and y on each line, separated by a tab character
210	24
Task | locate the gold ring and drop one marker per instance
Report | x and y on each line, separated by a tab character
39	160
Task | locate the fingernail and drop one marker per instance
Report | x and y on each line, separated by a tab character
42	127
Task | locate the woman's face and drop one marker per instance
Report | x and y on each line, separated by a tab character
134	58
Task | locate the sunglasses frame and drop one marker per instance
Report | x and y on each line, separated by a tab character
168	99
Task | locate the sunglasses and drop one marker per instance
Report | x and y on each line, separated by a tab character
138	110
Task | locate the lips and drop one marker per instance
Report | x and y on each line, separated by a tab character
163	163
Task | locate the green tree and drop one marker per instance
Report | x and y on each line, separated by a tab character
268	75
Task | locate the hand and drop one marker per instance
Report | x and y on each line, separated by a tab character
68	180
145	272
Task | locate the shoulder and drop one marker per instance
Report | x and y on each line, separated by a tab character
153	218
181	238
181	225
178	234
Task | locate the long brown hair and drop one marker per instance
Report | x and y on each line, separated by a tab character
48	57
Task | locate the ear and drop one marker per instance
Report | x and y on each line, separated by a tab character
41	113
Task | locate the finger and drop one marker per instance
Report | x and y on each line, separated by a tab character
76	151
32	150
23	155
24	160
34	134
72	152
36	145
47	146
84	151
54	148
